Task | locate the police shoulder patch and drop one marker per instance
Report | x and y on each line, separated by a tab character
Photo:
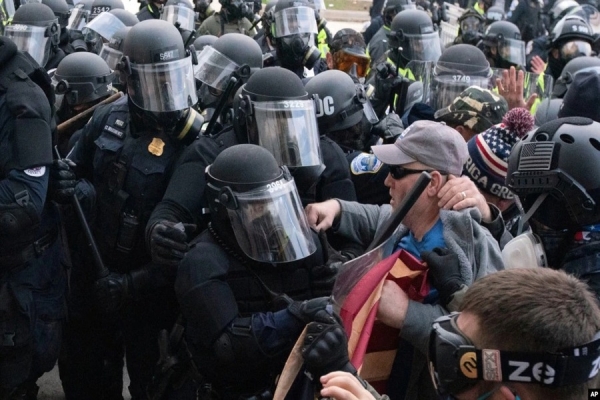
365	163
35	172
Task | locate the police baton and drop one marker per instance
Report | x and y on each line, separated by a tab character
398	215
100	270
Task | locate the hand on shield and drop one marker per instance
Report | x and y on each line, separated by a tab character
511	88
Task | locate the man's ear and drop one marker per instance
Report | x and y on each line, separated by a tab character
437	181
329	60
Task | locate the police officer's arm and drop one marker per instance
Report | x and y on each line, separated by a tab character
335	181
28	137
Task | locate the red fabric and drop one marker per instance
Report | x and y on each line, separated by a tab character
365	335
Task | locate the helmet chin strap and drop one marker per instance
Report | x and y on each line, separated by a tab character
536	204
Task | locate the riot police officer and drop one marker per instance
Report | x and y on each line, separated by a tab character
571	37
111	53
128	153
232	18
502	45
62	12
247	286
294	29
347	117
292	137
35	29
233	55
571	69
377	45
32	280
80	81
179	12
470	27
101	29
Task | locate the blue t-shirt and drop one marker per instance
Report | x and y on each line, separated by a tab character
432	239
400	374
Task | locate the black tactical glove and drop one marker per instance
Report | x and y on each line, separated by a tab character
312	310
168	242
444	269
325	349
112	291
385	80
388	128
62	181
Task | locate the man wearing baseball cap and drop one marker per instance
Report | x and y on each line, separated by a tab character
457	249
473	111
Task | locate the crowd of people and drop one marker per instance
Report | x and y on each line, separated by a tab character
181	189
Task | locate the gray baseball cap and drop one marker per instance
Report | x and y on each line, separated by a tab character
431	143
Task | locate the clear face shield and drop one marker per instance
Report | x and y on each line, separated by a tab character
288	129
443	82
512	51
184	16
293	21
78	19
35	40
270	225
110	55
574	49
104	25
162	87
425	47
590	14
215	69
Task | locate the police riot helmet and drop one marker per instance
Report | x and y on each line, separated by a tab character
179	12
202	41
560	9
103	27
126	17
81	78
572	68
282	119
459	67
393	7
493	14
503	46
549	169
232	56
159	72
100	6
547	111
293	31
342	105
61	10
80	15
35	30
249	193
413	36
572	29
112	53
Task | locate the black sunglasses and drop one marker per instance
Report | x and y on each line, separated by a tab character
398	172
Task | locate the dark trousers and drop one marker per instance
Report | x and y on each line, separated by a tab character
91	360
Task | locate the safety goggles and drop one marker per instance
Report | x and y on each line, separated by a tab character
345	59
398	172
456	365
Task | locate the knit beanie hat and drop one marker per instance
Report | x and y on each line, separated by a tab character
488	152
